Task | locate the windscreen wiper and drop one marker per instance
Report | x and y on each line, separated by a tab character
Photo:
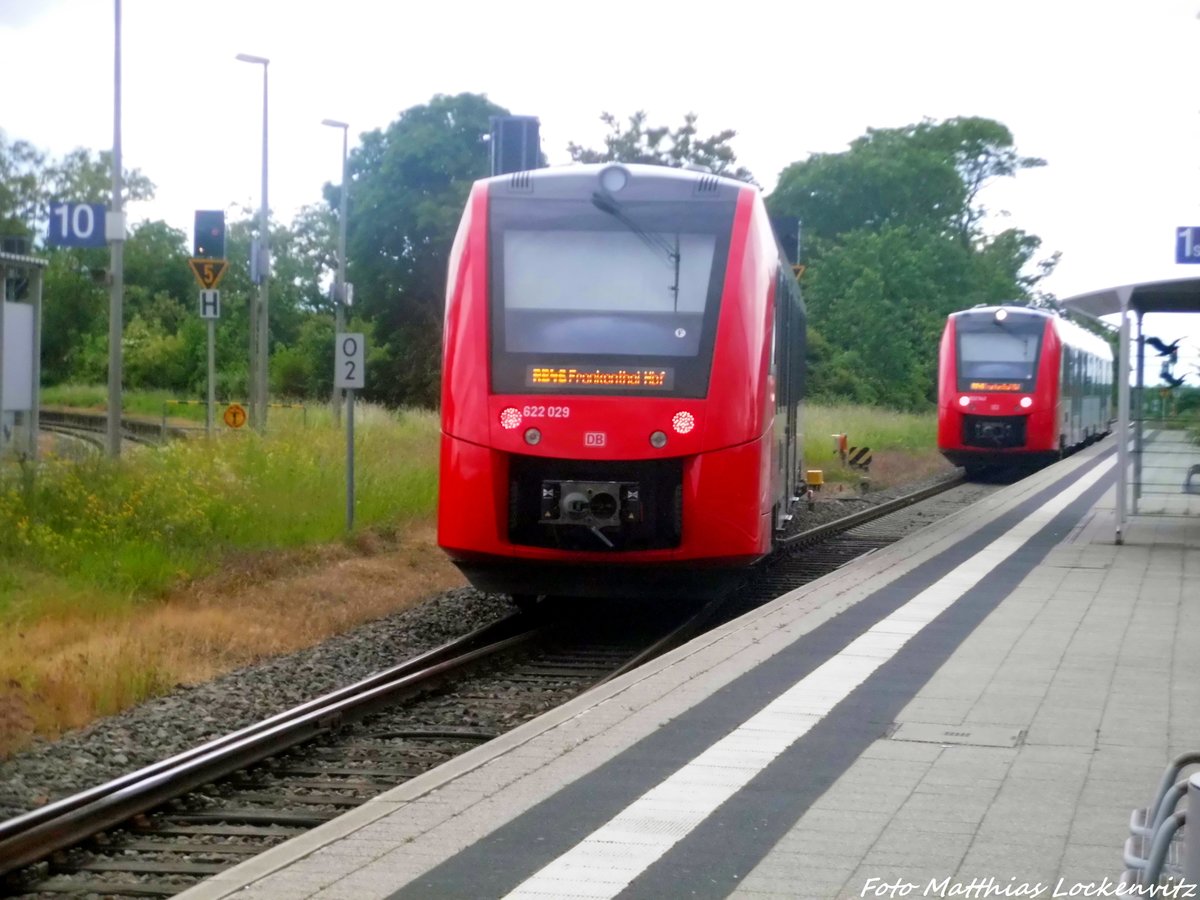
652	240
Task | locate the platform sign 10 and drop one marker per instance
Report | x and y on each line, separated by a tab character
76	225
1187	244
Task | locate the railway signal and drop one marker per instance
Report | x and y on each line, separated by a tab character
209	234
209	265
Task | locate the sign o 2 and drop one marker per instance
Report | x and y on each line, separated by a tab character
349	368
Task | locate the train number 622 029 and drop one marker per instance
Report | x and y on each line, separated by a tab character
546	412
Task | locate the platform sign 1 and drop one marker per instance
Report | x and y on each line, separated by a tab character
1187	244
76	225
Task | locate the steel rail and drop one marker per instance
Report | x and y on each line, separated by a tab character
86	435
36	834
853	520
676	637
137	430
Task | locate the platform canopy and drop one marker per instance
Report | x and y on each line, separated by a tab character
1176	296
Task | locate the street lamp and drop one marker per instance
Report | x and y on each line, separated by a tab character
261	266
114	228
339	291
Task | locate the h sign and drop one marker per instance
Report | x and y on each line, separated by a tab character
210	304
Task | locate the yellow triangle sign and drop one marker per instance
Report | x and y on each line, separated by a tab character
209	272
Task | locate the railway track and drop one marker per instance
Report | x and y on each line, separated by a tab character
158	831
86	425
138	431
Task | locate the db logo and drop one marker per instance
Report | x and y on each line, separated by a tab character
594	439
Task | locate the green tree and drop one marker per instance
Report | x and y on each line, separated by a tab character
660	146
408	186
880	299
313	244
894	243
158	282
927	175
22	172
74	317
86	177
883	180
980	150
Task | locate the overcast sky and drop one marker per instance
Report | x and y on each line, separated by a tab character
1102	90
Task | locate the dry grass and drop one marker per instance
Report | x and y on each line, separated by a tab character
891	468
63	672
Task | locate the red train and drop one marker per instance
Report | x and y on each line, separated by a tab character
623	363
1019	385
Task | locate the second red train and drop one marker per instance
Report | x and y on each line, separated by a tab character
1019	386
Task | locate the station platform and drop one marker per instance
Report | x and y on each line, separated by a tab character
973	711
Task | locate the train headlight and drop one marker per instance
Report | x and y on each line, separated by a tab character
658	440
510	418
683	422
964	401
532	436
613	179
1026	402
1001	315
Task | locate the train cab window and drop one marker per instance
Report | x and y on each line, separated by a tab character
998	352
584	285
605	292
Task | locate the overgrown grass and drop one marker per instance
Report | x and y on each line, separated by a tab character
138	403
903	445
84	545
132	527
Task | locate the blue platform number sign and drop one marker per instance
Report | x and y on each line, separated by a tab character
1187	244
76	225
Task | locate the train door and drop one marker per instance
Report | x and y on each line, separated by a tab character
782	490
1091	397
1066	393
789	350
796	350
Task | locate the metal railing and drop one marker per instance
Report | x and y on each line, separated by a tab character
1160	848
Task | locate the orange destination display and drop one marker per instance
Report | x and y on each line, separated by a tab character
658	378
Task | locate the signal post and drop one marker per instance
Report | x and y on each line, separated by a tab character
350	374
209	265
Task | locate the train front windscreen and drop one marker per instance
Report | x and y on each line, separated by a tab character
598	297
998	354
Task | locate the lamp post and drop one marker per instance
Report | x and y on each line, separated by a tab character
339	291
114	228
262	267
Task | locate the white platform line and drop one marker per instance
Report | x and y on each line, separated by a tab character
606	861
